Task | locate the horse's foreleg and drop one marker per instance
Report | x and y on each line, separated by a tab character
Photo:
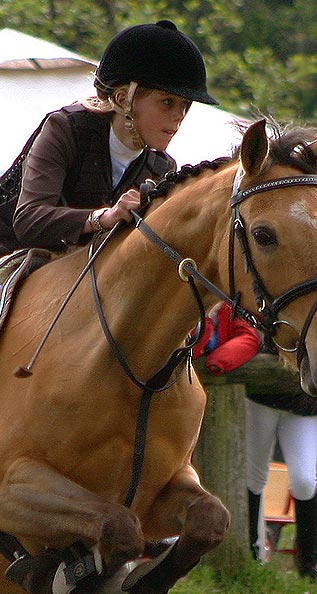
42	509
185	508
200	520
204	528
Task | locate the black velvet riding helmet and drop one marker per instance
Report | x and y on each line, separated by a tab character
156	56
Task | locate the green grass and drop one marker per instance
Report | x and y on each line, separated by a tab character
278	576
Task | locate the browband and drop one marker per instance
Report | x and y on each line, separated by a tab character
274	184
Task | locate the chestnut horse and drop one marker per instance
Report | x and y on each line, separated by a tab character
68	429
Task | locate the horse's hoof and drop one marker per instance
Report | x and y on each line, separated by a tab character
153	548
154	576
112	585
18	570
48	572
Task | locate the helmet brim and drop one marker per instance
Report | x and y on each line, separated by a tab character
190	94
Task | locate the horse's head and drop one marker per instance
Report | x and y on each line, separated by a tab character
274	208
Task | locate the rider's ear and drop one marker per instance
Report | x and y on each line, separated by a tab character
120	97
254	148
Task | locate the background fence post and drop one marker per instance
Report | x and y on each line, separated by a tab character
221	462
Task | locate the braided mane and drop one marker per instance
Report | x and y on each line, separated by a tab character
178	177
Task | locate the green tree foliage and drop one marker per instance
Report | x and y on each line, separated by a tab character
259	53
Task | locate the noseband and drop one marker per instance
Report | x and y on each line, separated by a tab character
268	306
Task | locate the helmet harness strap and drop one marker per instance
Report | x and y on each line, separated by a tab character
129	116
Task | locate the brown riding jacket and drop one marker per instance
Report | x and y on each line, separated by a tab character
69	166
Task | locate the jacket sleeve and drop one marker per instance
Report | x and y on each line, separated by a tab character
243	343
37	221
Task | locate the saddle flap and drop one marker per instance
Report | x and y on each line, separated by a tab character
13	270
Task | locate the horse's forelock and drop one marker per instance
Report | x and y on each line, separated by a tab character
292	147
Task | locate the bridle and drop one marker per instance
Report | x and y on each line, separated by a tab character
268	306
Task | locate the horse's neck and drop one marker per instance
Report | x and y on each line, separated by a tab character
146	301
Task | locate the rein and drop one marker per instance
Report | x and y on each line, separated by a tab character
187	270
158	382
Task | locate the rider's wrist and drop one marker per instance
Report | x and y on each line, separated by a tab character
94	220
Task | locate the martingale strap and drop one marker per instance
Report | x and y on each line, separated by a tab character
159	382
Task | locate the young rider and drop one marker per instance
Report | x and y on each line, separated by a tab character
85	168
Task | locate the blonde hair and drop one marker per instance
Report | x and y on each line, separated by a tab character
105	102
107	98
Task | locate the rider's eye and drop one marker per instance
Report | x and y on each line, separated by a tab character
264	236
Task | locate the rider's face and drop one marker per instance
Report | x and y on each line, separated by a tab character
157	117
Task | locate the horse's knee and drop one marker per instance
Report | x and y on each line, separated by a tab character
121	538
207	522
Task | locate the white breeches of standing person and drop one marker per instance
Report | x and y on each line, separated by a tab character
297	436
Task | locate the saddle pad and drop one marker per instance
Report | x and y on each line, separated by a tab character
13	270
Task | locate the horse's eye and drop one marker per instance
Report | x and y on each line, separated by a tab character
264	236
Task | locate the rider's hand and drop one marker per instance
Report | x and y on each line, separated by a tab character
130	200
105	218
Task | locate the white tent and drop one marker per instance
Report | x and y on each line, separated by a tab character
206	133
35	77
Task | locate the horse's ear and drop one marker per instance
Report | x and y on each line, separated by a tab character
254	148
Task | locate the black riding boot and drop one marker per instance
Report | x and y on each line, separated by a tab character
306	538
254	508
